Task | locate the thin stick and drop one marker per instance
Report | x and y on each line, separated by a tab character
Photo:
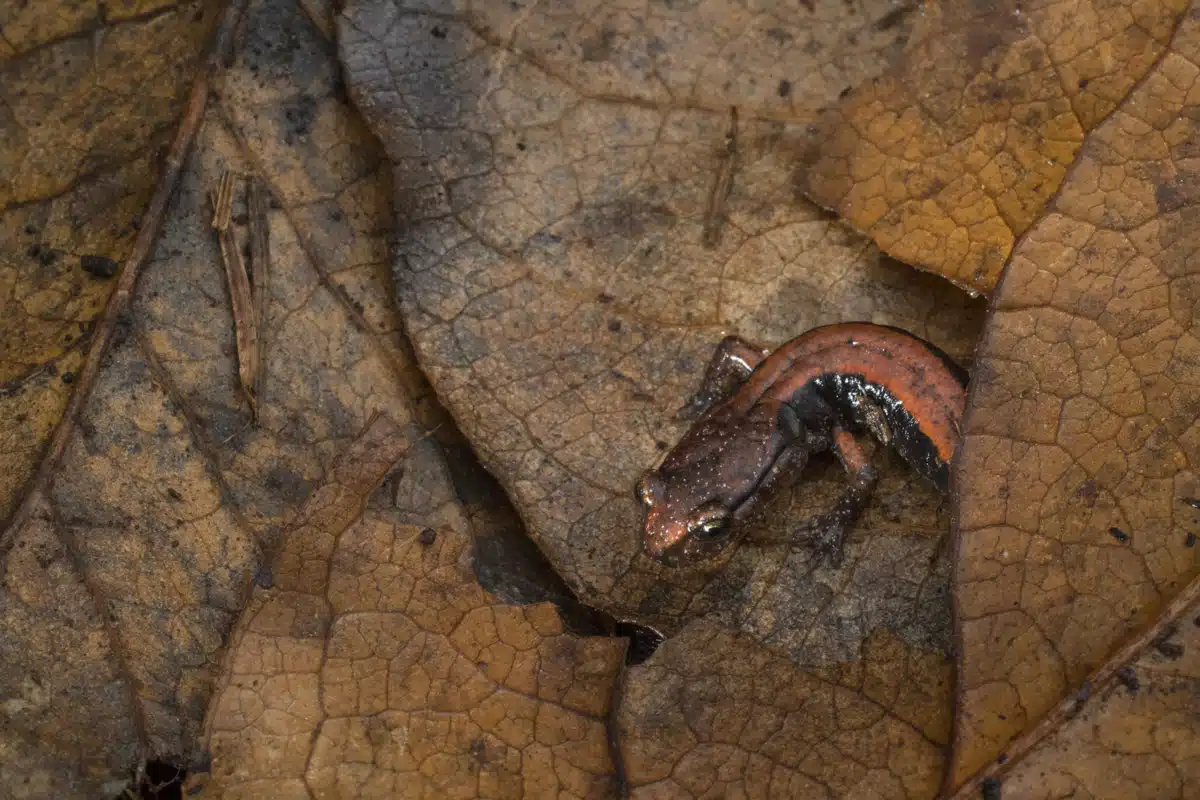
714	214
260	271
219	49
1072	704
245	325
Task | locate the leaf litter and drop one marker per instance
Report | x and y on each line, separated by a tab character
855	686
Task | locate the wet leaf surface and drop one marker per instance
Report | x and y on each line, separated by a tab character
951	156
1078	465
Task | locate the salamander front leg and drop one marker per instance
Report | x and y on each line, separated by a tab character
730	365
828	532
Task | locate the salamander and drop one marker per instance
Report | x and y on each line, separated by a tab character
759	414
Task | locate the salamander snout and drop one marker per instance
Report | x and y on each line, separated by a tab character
676	533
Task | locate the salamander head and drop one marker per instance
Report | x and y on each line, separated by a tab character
705	485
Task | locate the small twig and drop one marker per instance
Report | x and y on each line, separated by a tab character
260	270
1072	704
118	302
714	214
245	325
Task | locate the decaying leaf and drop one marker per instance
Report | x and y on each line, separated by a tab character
1082	440
91	92
948	158
553	273
745	722
1068	741
577	228
1134	739
139	552
377	667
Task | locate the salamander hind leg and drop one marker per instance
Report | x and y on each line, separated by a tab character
827	533
730	365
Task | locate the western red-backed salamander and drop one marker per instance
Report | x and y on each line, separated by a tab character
761	414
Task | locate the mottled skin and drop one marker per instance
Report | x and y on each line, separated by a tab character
761	415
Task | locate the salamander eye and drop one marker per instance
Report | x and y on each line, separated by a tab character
709	524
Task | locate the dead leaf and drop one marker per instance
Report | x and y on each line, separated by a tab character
952	155
1081	434
745	722
553	274
92	93
140	550
377	666
1135	738
553	196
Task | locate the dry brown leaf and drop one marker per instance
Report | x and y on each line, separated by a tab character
377	667
745	722
554	167
121	586
552	271
948	158
556	280
1134	740
1081	446
91	92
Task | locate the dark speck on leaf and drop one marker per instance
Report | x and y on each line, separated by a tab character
336	215
893	17
1165	647
1189	540
30	230
1129	679
427	536
173	494
660	445
1118	534
521	146
1083	83
284	481
68	377
785	88
1088	491
1083	695
438	33
614	325
98	266
263	577
604	298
